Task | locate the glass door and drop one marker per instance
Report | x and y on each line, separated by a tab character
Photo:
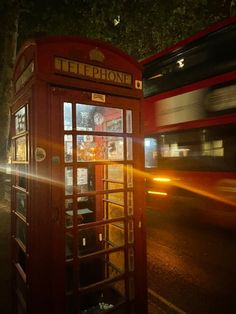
98	207
19	205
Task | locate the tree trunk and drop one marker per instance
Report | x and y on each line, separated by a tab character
8	36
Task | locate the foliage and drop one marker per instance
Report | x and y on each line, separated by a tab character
139	27
145	27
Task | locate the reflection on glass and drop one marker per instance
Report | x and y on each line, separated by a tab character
21	203
20	149
94	148
98	118
116	197
68	180
21	231
68	148
114	185
150	151
129	148
67	116
116	234
69	213
129	176
20	120
115	211
117	259
115	172
129	126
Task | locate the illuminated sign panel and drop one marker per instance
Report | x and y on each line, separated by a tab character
92	72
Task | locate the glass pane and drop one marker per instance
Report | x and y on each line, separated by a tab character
69	245
95	148
21	231
21	203
129	148
68	180
20	257
20	143
115	211
68	148
114	185
67	116
129	126
87	206
115	172
21	287
20	121
101	237
116	234
116	197
99	178
130	203
129	176
131	288
69	277
21	172
69	213
106	266
150	151
83	185
131	259
98	118
130	231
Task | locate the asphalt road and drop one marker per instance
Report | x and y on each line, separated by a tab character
191	260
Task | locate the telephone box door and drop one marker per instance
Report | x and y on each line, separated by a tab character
96	208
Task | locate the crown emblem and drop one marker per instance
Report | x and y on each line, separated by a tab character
96	55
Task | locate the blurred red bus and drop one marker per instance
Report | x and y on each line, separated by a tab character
190	118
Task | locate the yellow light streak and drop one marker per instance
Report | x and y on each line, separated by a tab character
155	76
157	193
162	179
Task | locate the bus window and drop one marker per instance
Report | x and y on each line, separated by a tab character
150	150
203	149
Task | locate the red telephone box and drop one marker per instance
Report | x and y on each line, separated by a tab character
78	236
